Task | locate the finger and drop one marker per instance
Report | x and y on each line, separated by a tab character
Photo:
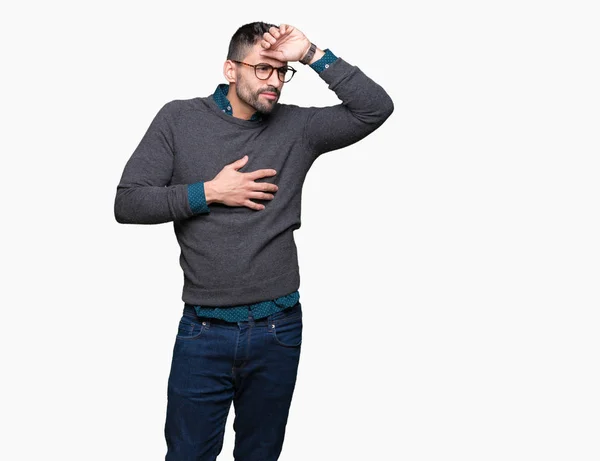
271	54
240	162
261	196
269	38
274	31
261	173
254	206
265	187
265	44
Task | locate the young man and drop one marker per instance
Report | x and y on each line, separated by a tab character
227	170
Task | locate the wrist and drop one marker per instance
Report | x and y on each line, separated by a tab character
308	55
210	193
319	53
306	50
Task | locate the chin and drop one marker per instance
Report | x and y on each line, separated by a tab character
266	109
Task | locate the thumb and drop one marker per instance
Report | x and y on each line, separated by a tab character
272	54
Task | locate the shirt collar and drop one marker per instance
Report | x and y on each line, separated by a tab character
220	98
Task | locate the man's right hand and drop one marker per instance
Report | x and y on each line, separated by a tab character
233	188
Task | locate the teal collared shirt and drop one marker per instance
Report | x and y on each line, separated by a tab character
259	310
198	204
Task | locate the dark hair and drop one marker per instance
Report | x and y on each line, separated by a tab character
245	38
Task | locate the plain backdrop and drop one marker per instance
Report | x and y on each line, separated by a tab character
449	261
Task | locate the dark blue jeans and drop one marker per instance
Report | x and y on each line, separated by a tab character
252	364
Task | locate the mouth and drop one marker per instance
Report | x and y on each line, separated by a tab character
269	95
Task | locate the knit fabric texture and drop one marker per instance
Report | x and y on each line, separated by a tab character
236	256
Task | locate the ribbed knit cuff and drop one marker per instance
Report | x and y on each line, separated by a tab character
197	198
324	62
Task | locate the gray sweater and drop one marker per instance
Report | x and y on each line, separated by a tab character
235	255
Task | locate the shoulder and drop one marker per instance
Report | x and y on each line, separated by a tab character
292	110
173	110
293	115
177	106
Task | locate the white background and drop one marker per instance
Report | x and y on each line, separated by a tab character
449	261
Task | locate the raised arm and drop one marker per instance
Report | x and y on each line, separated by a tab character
364	106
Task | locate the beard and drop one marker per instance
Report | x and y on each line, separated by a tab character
252	98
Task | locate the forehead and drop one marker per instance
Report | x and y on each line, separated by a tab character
254	57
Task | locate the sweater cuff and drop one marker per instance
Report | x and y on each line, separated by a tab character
196	198
323	63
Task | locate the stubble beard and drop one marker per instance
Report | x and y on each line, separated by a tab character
251	98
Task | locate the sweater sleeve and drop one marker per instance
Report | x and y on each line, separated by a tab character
364	106
144	195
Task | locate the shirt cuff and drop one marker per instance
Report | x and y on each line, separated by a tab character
196	198
323	63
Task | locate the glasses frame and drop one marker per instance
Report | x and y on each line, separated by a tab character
287	68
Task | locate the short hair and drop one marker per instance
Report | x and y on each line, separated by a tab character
245	38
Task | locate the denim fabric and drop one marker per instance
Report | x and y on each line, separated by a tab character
253	364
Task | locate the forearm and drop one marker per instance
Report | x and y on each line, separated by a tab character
144	194
365	106
151	204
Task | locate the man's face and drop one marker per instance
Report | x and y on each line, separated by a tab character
260	94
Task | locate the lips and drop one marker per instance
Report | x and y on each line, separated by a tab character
269	95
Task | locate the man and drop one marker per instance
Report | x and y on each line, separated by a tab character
227	170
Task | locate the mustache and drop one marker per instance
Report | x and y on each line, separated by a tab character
271	89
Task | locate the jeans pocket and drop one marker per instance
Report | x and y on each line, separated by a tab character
189	328
287	331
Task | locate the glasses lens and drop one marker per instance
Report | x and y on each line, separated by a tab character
263	71
285	74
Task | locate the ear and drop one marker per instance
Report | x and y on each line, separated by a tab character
229	71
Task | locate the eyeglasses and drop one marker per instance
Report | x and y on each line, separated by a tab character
264	71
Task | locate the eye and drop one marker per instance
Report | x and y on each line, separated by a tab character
263	68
